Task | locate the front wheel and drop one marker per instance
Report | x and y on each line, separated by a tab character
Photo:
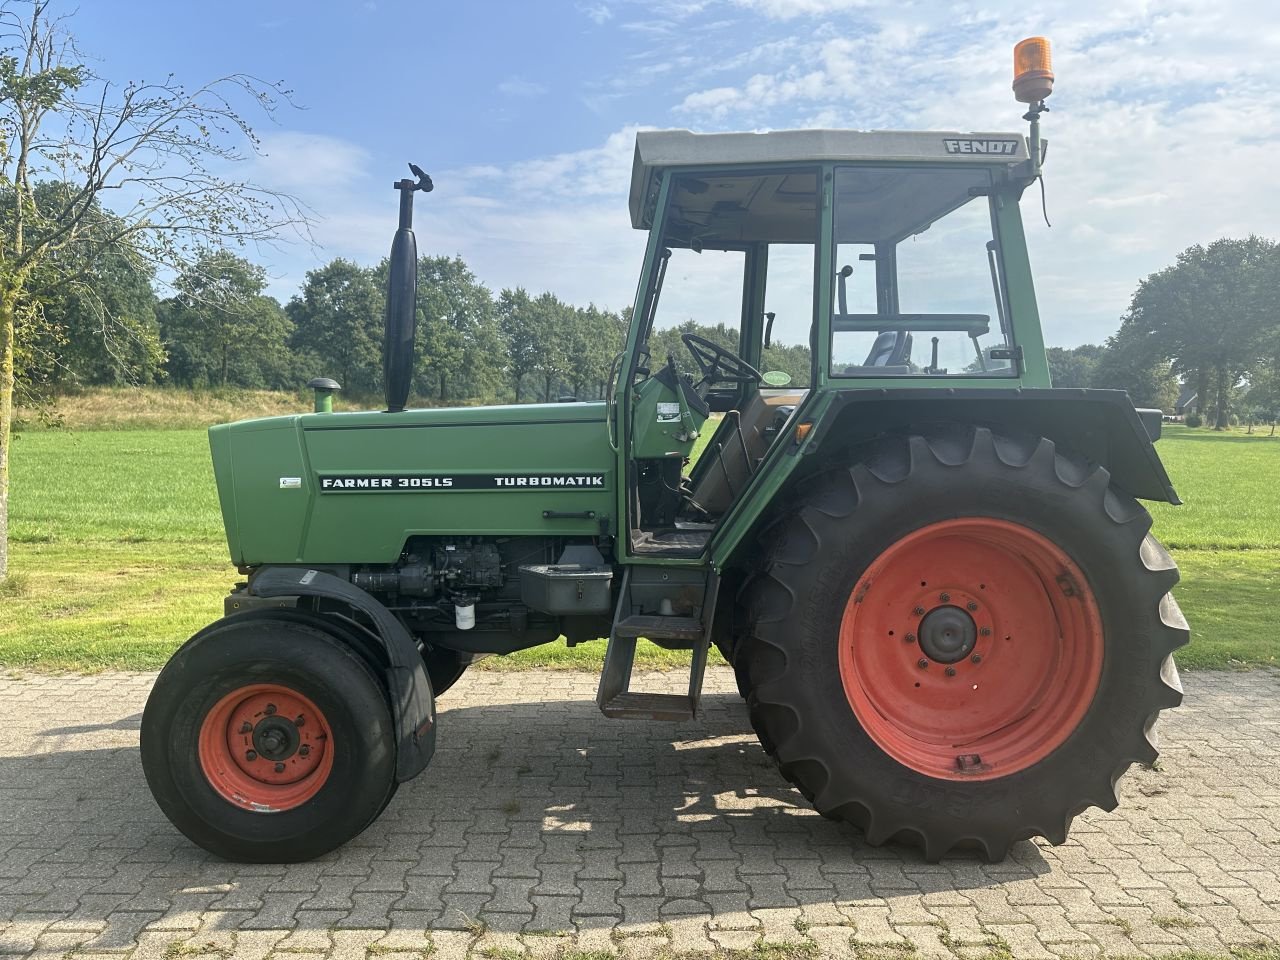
963	640
268	740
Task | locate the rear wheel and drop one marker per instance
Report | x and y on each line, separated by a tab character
962	640
268	740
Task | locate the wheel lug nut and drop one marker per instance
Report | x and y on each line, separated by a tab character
251	755
270	709
300	721
976	658
972	605
918	611
950	671
922	663
246	727
910	638
944	597
304	750
279	768
985	631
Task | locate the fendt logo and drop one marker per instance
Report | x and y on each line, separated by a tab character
999	148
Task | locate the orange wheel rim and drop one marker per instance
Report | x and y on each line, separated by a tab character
971	649
266	748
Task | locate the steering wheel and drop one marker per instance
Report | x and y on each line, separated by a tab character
717	364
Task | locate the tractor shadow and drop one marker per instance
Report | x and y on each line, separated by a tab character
535	814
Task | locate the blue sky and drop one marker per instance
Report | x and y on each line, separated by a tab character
1164	130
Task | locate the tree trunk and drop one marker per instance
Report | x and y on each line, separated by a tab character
546	396
7	324
1221	422
519	377
1202	393
224	365
444	383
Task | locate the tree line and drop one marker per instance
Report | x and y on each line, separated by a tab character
219	328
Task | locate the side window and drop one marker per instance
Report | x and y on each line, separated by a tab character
788	296
946	271
918	292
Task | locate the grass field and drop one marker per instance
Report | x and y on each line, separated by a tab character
118	556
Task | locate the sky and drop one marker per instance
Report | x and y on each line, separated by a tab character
1163	130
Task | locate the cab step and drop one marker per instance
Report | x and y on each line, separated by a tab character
659	628
614	697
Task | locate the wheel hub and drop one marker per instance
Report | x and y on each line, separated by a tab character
947	634
275	738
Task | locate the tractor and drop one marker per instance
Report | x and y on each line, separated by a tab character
930	570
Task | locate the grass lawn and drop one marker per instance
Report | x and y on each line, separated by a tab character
117	552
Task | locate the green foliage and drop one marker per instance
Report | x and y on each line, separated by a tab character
1073	367
91	307
1128	363
337	325
1212	313
220	329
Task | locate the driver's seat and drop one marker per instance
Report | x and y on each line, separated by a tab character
732	461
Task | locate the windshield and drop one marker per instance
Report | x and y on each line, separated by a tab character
918	292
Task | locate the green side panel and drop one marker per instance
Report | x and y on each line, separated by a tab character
475	471
223	473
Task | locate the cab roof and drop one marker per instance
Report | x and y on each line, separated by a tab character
657	150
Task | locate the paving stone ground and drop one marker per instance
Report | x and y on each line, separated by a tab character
543	829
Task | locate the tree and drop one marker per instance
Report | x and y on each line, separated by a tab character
1127	363
95	326
460	354
1210	313
160	148
552	318
1073	367
221	329
515	321
338	319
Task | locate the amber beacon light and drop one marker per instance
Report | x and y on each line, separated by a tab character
1032	70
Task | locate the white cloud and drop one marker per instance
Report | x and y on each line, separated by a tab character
520	87
597	13
300	162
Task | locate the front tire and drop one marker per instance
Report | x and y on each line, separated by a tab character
963	640
268	740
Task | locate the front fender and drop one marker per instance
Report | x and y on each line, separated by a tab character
412	700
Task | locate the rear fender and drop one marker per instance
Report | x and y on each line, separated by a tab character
1099	425
412	701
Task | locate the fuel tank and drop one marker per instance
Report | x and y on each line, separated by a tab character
353	487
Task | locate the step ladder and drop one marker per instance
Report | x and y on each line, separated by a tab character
615	698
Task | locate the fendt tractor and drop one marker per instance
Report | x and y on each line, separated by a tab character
929	570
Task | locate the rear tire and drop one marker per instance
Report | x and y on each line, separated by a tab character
224	754
958	752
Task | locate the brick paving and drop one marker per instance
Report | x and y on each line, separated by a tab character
543	829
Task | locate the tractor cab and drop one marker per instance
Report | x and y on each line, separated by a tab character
783	266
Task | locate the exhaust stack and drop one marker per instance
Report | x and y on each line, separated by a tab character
402	297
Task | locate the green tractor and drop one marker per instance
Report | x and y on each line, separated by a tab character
930	571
